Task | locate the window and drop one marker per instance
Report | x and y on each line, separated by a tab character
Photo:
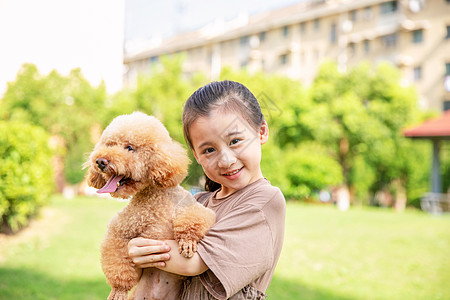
283	59
447	36
417	36
353	16
316	24
285	31
303	27
389	41
446	105
417	73
351	48
244	40
366	46
262	36
367	15
333	33
388	7
153	59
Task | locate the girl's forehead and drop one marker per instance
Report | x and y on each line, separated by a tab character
223	121
219	125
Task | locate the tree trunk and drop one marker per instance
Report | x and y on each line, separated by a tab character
343	198
400	195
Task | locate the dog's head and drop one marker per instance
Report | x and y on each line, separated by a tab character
135	151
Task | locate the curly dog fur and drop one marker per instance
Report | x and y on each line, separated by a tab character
136	158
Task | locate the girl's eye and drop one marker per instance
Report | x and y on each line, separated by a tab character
129	148
234	141
208	150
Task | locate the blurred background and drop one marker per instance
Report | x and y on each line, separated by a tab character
356	94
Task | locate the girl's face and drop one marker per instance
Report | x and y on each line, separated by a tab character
228	149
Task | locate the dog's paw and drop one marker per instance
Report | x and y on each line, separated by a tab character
187	248
117	295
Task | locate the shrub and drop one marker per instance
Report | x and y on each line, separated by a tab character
26	177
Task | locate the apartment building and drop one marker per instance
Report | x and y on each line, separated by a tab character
293	41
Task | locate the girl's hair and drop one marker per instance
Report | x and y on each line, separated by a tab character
226	96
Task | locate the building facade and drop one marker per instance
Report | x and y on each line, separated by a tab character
293	41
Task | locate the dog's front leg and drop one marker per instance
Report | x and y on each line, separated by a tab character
190	226
118	267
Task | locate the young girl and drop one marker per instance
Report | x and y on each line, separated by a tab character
225	128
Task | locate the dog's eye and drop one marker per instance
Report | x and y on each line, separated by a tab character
129	148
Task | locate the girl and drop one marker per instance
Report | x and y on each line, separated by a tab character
225	128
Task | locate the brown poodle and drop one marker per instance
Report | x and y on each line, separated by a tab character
136	158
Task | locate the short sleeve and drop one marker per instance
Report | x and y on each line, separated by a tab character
237	249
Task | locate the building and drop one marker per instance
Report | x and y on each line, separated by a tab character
412	34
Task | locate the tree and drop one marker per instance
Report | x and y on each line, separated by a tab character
358	116
67	107
26	178
299	169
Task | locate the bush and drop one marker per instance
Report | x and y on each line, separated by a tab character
65	106
26	177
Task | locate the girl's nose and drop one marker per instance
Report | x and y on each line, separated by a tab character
226	159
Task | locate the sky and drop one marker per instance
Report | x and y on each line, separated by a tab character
152	20
63	35
146	18
92	34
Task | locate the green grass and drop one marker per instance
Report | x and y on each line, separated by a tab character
363	254
328	254
63	263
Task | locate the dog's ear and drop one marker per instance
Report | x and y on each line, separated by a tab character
93	178
171	165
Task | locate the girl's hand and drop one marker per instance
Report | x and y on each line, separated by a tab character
146	253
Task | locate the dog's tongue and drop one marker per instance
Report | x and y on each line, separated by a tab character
111	185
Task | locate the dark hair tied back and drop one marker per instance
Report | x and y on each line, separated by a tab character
227	96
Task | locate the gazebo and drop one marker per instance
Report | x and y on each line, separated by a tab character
435	130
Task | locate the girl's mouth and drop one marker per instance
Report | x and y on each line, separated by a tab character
233	173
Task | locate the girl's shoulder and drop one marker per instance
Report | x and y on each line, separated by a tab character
202	196
262	194
264	187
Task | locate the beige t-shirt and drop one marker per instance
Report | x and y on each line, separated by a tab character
243	247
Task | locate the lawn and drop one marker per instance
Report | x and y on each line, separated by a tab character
328	254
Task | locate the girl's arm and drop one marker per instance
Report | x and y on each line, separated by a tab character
146	253
181	265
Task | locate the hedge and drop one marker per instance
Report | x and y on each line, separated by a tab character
26	175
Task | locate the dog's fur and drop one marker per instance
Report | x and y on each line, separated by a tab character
138	147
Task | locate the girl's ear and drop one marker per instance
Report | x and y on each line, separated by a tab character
264	133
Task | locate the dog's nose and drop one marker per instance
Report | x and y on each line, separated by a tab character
102	163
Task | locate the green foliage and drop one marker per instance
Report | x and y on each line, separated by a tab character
362	113
344	129
65	106
309	169
26	178
161	93
289	159
353	119
445	170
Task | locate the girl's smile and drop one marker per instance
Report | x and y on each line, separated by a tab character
228	149
233	174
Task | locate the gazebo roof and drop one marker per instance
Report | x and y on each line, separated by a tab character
434	128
